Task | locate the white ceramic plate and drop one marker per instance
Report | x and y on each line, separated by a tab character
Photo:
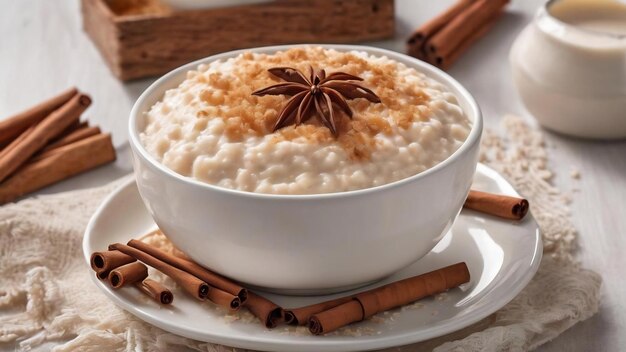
502	257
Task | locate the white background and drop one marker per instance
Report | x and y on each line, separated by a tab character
43	51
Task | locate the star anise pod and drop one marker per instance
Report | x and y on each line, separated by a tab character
318	92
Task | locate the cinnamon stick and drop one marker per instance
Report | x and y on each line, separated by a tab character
269	312
337	317
102	274
224	299
194	286
74	136
16	142
416	41
459	29
496	204
73	127
393	295
67	161
13	126
46	130
194	269
76	125
128	274
445	62
156	291
300	316
109	260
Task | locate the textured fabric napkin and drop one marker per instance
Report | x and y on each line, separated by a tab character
47	297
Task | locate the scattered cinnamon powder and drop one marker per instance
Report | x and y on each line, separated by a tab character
248	115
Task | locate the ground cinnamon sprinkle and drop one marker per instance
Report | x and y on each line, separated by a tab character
247	115
356	137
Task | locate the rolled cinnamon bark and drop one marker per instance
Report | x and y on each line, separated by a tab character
445	62
109	260
16	142
45	131
73	127
66	161
459	29
74	136
335	318
156	291
393	295
194	269
224	299
496	204
194	286
415	44
269	312
300	316
102	274
76	125
128	274
13	126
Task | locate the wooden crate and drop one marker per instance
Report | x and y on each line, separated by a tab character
143	45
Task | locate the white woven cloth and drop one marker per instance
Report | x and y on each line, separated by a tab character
47	297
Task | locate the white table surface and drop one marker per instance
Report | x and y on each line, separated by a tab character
43	50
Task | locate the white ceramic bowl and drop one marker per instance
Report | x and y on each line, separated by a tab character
306	243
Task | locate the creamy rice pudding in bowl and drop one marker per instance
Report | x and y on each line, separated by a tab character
305	168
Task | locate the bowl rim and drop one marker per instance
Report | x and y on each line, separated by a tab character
429	70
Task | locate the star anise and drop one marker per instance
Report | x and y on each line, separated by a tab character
318	92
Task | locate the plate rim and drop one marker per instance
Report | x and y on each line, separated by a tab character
361	343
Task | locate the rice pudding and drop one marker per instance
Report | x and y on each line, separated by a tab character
213	129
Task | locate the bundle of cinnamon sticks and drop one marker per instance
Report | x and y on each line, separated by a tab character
123	270
443	39
125	265
48	143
